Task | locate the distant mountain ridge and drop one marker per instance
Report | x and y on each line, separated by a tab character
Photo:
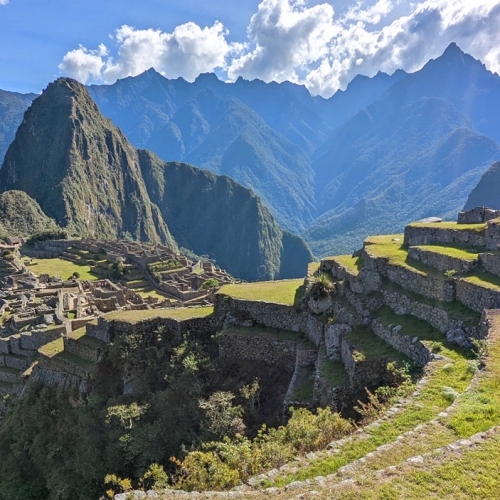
387	150
81	171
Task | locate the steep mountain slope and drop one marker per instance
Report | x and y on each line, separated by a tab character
411	154
12	108
80	169
197	124
85	174
216	216
21	215
461	80
487	191
387	166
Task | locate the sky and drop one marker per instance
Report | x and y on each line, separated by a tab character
320	44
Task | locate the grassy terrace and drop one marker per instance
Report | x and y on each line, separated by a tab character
55	350
269	333
451	372
81	337
486	280
62	268
390	246
174	313
455	310
479	228
287	292
470	473
452	251
353	264
367	346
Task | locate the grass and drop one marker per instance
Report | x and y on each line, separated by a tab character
451	251
485	280
62	268
53	348
303	389
312	267
288	292
478	228
81	337
353	264
472	473
412	326
397	254
455	310
421	408
179	313
268	333
333	371
368	347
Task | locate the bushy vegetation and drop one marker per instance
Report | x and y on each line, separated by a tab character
227	463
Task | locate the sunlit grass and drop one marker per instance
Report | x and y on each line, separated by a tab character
287	292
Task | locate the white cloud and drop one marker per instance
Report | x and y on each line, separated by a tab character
83	63
4	2
289	40
188	51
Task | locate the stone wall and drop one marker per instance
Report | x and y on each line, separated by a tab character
477	297
268	314
477	215
82	350
490	262
425	235
432	287
442	262
333	339
435	316
492	235
368	373
250	347
411	347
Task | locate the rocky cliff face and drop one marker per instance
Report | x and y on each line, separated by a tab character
215	215
82	172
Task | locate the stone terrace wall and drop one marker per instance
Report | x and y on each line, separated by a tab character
477	215
477	297
250	347
271	315
438	318
362	374
431	287
442	262
106	330
395	337
424	235
490	262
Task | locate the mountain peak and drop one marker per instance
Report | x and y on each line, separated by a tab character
207	78
453	49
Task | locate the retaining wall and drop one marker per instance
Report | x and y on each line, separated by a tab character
411	347
442	262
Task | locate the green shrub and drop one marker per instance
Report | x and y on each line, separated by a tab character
209	284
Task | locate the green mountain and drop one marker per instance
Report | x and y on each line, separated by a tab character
487	192
12	108
21	215
84	174
390	164
215	215
80	168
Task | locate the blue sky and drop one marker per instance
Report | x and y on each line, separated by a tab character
321	44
